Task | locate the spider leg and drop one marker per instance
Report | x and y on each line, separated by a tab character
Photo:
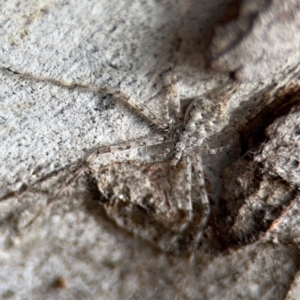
145	112
146	142
185	203
196	163
116	95
149	141
172	100
198	168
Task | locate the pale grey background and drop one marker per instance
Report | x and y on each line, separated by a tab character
45	128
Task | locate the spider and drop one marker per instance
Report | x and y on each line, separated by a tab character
165	201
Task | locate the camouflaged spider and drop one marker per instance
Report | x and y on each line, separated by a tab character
164	201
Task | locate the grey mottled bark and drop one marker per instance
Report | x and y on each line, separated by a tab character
72	249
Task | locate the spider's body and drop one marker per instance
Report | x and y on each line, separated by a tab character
164	201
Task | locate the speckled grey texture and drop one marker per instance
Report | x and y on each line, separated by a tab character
120	45
73	250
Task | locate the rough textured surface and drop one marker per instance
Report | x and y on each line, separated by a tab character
242	39
56	240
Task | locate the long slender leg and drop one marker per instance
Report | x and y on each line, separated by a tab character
172	98
172	103
184	183
187	202
146	142
117	95
198	168
196	163
106	149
